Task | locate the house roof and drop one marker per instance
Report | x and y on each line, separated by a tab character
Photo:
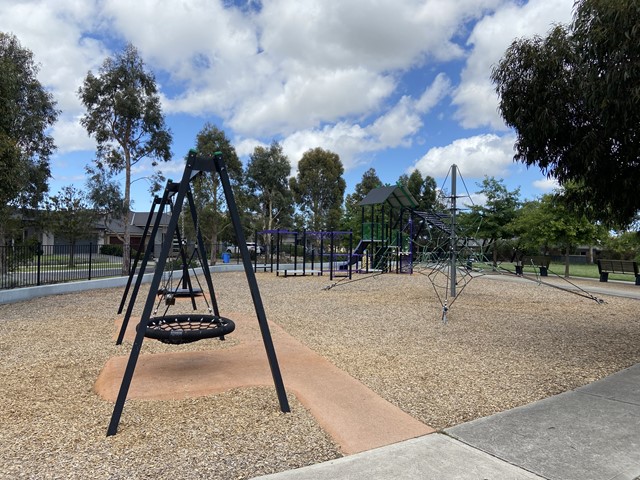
139	219
137	222
395	196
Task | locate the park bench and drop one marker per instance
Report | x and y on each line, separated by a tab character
541	262
626	267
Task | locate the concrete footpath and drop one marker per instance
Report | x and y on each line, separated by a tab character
590	433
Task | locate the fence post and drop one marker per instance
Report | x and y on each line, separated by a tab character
39	252
90	252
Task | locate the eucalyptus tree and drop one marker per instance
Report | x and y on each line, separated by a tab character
207	189
424	190
495	216
552	222
104	194
353	212
319	188
27	112
69	216
125	117
267	178
573	98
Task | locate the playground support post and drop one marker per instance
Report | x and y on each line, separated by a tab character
251	280
453	239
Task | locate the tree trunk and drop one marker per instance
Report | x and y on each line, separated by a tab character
566	262
495	254
214	245
126	243
72	254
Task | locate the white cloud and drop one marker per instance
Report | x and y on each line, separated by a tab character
351	140
434	93
70	136
475	97
245	147
295	64
546	185
309	99
379	35
348	141
53	31
393	128
476	157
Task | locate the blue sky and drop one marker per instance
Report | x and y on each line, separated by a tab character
392	85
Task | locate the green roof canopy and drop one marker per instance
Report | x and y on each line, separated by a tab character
396	197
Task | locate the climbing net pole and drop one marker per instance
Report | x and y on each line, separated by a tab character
447	254
458	268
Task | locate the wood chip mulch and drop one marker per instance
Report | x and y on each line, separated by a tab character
506	343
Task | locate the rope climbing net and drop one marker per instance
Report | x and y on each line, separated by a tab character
451	261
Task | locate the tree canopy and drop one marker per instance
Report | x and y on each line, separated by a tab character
125	118
319	188
424	190
495	216
267	177
207	190
69	216
551	221
27	111
573	98
353	217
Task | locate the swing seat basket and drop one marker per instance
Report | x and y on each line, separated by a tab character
178	329
180	292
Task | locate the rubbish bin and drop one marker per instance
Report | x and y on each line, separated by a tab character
226	257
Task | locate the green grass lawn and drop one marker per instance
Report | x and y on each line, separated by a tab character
586	271
61	262
61	267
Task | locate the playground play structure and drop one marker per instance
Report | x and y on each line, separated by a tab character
388	241
292	253
396	237
185	328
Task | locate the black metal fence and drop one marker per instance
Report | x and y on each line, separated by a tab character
29	265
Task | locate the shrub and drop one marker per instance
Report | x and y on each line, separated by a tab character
115	250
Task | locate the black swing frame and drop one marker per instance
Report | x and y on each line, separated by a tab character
195	165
